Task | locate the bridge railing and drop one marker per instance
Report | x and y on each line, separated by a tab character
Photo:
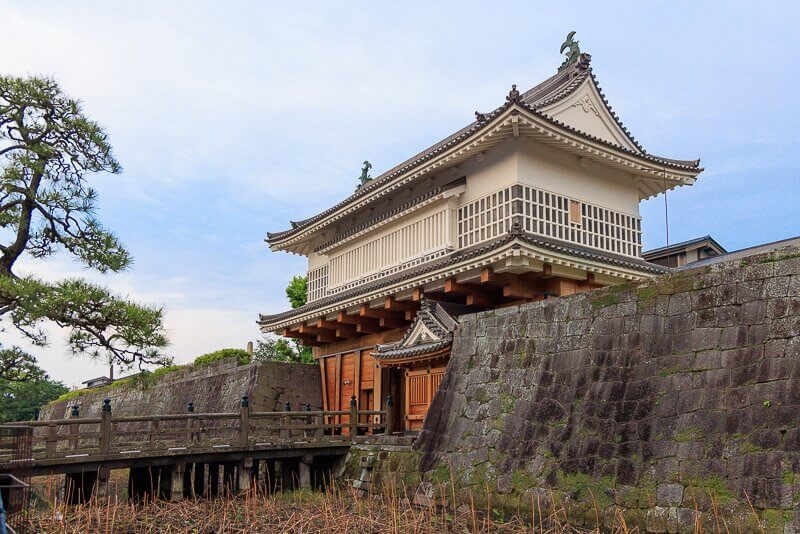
107	435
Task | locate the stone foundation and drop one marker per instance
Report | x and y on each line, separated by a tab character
663	398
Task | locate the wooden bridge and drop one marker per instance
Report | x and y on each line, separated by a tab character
179	455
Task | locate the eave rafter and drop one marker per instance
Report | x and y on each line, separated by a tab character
394	305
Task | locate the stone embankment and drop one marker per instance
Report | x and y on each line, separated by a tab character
675	401
216	387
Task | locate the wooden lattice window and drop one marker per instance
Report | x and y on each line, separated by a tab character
418	389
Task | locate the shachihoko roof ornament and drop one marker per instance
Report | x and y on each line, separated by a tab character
573	51
365	177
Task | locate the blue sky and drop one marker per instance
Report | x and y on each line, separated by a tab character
231	118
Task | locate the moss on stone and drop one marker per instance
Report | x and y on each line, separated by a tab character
715	486
523	481
508	401
749	447
773	257
688	434
774	519
606	300
588	489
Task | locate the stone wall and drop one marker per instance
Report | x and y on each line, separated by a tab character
663	398
217	387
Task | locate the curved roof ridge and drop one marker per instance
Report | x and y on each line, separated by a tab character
557	87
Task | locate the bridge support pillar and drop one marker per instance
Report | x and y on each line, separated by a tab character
289	474
244	473
198	480
149	483
176	482
266	476
213	479
78	487
305	471
101	489
229	479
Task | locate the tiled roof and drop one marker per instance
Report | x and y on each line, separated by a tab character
679	246
555	88
465	254
438	318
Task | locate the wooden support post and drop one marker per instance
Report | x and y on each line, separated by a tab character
105	427
389	415
353	418
285	422
152	436
244	474
74	430
305	471
190	424
319	432
244	422
213	479
176	482
52	439
101	490
198	479
229	479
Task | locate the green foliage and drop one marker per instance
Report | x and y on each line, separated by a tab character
17	365
282	350
297	290
242	356
26	388
48	147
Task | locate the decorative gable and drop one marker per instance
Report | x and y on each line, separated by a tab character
429	334
586	111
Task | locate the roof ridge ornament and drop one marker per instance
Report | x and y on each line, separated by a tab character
365	177
573	50
513	94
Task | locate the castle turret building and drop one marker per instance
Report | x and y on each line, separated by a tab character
536	199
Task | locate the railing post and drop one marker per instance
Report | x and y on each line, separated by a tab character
74	413
353	417
319	422
244	422
190	422
389	415
105	427
52	439
308	432
152	436
286	421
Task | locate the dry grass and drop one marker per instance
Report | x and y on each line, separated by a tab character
333	511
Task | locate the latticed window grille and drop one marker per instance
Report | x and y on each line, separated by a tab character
551	215
485	218
317	283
